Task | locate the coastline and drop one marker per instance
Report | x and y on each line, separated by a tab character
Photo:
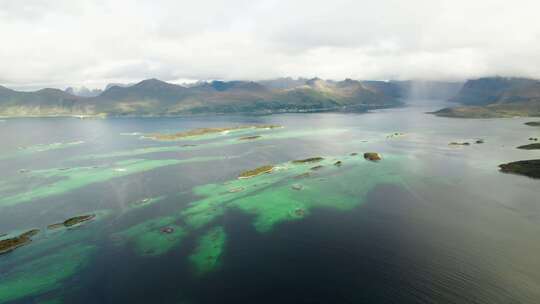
344	109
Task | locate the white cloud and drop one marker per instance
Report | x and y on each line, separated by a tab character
92	42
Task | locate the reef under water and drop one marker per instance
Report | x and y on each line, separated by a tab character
206	257
205	143
272	199
152	237
58	181
43	274
30	150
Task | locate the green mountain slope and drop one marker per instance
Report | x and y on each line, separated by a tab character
153	97
42	102
496	97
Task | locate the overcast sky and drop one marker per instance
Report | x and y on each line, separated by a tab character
93	42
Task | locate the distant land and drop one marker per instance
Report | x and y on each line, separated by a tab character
153	97
496	97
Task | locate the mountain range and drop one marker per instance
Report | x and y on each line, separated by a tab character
153	97
477	98
496	97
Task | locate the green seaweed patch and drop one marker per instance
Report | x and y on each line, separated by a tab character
218	197
282	203
74	178
276	197
43	274
200	215
304	175
153	237
207	255
271	207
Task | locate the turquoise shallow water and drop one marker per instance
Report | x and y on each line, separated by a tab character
430	223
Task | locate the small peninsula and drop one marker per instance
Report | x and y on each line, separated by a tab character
11	244
495	97
530	168
308	160
535	146
207	131
256	171
73	221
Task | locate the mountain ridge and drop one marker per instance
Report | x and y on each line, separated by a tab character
489	97
154	97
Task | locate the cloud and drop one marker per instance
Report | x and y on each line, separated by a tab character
92	42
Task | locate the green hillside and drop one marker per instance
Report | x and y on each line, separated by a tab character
496	97
153	97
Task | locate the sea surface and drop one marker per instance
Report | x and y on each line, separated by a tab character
429	223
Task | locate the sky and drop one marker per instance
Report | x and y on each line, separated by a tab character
59	43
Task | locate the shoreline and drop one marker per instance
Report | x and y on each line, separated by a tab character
360	109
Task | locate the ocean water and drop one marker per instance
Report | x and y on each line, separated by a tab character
430	223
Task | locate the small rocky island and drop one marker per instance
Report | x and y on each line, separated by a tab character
395	134
530	168
459	144
256	171
535	146
308	160
250	137
372	156
206	131
11	244
73	221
